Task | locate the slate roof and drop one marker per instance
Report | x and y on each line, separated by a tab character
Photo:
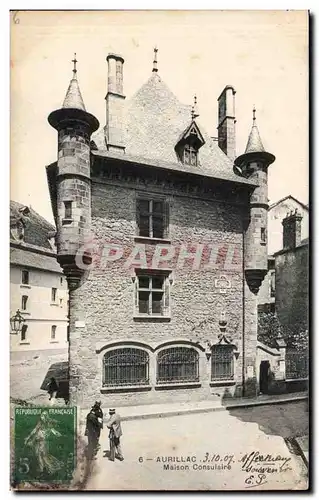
254	143
36	227
73	98
154	121
25	257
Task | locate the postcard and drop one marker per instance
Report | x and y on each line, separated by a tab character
159	234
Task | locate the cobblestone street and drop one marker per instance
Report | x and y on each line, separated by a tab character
212	439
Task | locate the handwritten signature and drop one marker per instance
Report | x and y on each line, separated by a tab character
259	463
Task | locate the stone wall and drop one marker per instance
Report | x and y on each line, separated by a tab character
292	288
102	308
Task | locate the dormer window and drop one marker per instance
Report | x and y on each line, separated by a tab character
190	155
189	144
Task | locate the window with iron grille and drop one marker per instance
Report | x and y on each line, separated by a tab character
296	364
152	294
222	362
127	366
177	364
152	218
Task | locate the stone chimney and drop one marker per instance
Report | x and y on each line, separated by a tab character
227	122
292	229
114	129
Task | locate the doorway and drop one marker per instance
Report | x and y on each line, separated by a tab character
264	376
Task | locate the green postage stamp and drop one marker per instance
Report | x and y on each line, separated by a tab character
45	444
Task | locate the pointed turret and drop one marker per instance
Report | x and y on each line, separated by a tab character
254	148
73	97
254	143
253	164
73	182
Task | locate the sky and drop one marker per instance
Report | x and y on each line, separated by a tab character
263	54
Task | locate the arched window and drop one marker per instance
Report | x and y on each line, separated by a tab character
177	364
222	362
125	366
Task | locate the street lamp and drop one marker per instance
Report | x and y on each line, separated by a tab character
16	323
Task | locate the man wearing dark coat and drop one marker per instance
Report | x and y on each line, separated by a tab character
92	431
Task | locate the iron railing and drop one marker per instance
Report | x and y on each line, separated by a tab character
222	362
296	364
126	366
177	364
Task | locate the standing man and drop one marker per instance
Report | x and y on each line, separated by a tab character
92	431
98	412
114	424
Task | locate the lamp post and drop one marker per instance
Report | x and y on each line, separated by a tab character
16	323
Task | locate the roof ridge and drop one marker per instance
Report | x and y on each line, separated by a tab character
285	198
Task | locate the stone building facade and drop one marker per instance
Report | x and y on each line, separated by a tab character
162	237
38	288
292	281
276	213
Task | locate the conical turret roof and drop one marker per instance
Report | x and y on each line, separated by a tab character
73	97
73	106
254	143
255	147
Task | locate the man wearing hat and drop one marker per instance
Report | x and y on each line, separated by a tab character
114	424
94	424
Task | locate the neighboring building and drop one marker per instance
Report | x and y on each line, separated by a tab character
38	287
151	186
291	270
276	213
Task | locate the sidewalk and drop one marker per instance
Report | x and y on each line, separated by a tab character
174	409
264	399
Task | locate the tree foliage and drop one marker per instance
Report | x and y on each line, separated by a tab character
270	329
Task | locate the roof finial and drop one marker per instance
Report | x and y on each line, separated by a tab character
155	60
195	113
254	113
74	65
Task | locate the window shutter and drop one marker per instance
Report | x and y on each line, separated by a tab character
166	219
167	296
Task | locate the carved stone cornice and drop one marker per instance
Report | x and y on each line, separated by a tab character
170	182
254	278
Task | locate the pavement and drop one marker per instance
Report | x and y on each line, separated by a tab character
210	451
174	409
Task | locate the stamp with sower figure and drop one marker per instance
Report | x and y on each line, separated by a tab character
45	444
